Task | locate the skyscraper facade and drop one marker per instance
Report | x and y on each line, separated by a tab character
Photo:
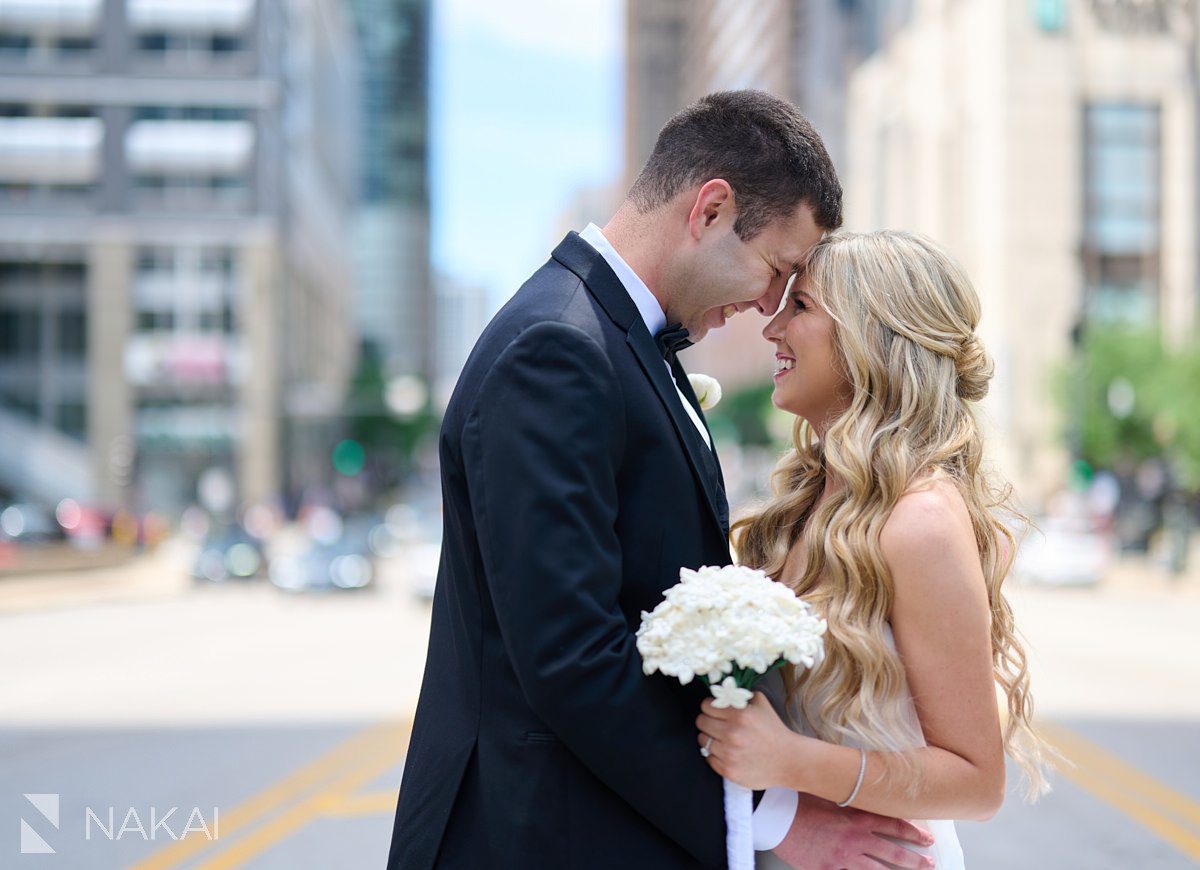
175	186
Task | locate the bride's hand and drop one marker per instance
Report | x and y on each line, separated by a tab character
748	746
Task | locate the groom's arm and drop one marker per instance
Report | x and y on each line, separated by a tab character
541	451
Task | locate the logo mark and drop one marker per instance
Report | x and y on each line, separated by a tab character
31	841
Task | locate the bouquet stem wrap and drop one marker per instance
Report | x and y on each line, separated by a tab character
739	839
729	626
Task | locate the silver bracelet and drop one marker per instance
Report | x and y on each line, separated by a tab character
862	772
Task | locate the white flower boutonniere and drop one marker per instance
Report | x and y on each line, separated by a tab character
707	390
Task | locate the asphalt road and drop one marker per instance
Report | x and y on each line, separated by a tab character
275	726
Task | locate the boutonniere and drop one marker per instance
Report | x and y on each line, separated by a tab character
707	390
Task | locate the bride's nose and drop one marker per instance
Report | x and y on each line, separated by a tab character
773	331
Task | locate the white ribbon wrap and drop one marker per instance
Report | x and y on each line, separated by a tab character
739	838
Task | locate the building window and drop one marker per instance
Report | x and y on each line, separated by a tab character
20	333
18	195
46	46
167	43
156	261
1122	208
217	261
197	191
25	404
18	272
72	333
190	113
71	419
192	190
227	44
15	43
152	320
70	46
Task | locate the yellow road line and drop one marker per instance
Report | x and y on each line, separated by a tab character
1168	813
311	775
367	804
387	754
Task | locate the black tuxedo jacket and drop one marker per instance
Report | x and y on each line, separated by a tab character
574	488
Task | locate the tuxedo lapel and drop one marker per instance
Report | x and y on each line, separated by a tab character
714	462
702	459
604	286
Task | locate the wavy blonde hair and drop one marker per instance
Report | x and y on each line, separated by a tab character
904	328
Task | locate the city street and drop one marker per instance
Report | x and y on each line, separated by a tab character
276	726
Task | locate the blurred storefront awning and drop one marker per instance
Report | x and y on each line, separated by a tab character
190	146
57	15
206	15
50	150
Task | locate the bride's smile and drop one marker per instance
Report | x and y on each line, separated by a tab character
807	375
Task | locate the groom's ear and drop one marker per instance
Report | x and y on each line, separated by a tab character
713	208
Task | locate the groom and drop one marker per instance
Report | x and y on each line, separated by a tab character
578	476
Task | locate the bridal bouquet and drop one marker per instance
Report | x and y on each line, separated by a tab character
729	627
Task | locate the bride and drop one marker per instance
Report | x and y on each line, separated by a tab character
883	518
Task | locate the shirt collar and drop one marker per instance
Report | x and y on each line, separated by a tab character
647	305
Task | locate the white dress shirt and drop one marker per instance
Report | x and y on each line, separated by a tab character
773	816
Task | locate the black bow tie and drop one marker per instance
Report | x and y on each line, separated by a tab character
671	339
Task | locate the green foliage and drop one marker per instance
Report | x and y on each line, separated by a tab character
1127	397
1181	413
389	441
746	412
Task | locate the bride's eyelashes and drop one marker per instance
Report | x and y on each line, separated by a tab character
799	304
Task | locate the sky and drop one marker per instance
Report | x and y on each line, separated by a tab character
526	109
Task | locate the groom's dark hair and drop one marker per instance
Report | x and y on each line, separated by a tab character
763	146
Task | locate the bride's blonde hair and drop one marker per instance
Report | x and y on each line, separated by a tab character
904	327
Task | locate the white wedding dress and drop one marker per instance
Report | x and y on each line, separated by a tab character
945	851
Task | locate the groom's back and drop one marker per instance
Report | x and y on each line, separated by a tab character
489	781
553	294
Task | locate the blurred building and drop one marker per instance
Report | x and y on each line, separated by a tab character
679	50
462	313
655	37
1051	146
175	182
395	309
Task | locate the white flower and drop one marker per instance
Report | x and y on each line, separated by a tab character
718	619
707	390
728	694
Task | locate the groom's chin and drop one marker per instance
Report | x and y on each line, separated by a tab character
711	320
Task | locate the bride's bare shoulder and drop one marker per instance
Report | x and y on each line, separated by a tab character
929	524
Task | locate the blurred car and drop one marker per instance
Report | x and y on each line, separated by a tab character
415	530
29	523
85	525
330	562
421	561
1063	552
229	552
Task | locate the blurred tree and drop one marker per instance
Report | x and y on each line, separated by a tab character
745	411
1180	416
389	440
1128	398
